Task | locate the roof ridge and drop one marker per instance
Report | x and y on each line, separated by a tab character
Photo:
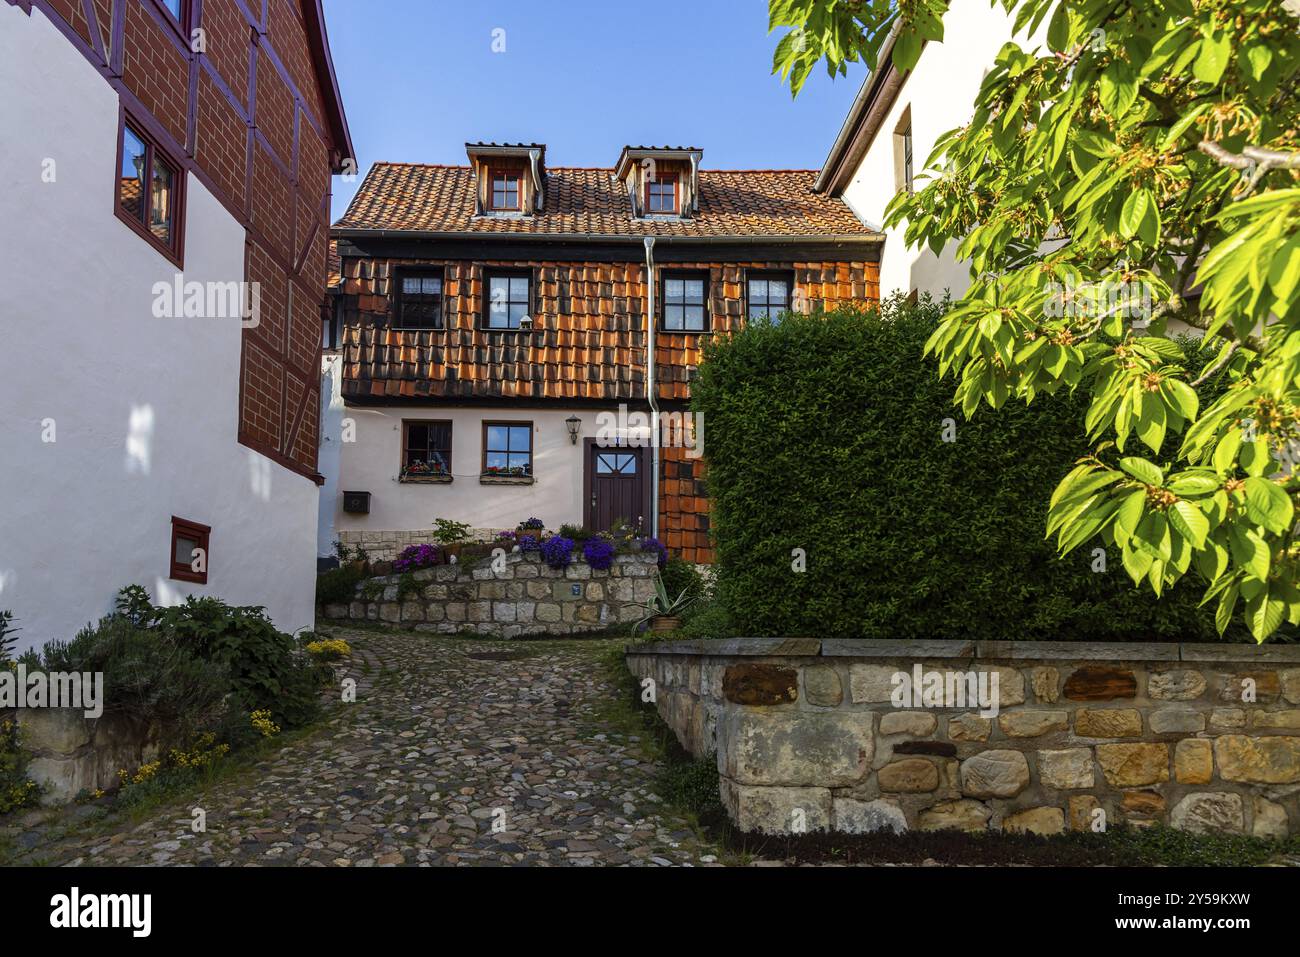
604	169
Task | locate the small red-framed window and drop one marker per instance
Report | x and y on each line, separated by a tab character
150	188
189	551
506	189
661	193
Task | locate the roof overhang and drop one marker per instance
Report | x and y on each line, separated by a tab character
323	64
875	97
636	154
348	232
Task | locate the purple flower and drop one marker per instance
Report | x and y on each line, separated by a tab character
417	556
529	543
649	544
599	552
536	523
557	552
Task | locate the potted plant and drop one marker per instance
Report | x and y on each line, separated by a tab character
452	536
663	612
427	471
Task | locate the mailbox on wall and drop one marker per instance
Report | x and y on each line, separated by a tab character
356	502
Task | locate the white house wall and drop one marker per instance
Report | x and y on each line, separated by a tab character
373	461
941	92
144	410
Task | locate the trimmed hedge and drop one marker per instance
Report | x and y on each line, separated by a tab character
824	433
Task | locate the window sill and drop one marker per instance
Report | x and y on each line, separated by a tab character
425	479
505	480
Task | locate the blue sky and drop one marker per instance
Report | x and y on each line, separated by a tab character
419	79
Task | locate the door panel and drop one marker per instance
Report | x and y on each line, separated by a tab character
616	477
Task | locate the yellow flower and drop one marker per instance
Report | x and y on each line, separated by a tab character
262	722
329	649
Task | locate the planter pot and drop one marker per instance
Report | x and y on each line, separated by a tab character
453	549
665	623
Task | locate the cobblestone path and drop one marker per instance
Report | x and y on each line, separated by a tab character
448	757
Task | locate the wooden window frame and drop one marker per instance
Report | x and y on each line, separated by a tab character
183	571
419	272
451	435
507	272
175	251
662	305
505	172
532	448
786	274
184	24
658	179
904	145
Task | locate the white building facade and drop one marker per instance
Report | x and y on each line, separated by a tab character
892	128
122	419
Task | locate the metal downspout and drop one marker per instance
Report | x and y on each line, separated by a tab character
650	390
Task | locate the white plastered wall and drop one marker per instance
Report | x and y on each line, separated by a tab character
940	92
372	463
144	410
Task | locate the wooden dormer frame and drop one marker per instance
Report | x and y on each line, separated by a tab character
684	164
526	161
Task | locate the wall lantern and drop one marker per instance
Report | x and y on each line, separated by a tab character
574	425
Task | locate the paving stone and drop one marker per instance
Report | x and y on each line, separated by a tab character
443	760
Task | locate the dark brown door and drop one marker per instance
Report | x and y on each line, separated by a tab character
616	478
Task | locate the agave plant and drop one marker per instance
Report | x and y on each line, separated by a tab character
662	604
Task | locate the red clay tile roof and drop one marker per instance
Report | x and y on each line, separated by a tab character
334	271
584	201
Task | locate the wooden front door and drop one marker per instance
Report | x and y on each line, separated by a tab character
616	487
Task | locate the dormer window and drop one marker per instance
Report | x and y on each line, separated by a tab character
509	179
507	188
661	193
662	182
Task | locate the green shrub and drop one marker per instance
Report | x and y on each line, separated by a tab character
680	576
16	789
148	678
707	619
265	670
338	584
825	434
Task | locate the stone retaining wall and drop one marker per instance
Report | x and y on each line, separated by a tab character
520	595
71	753
1203	737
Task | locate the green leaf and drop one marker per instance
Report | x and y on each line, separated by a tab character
1213	59
1128	515
1117	88
1136	562
1227	602
907	50
1190	522
1225	454
1143	471
1268	505
1058	29
1134	211
1264	615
